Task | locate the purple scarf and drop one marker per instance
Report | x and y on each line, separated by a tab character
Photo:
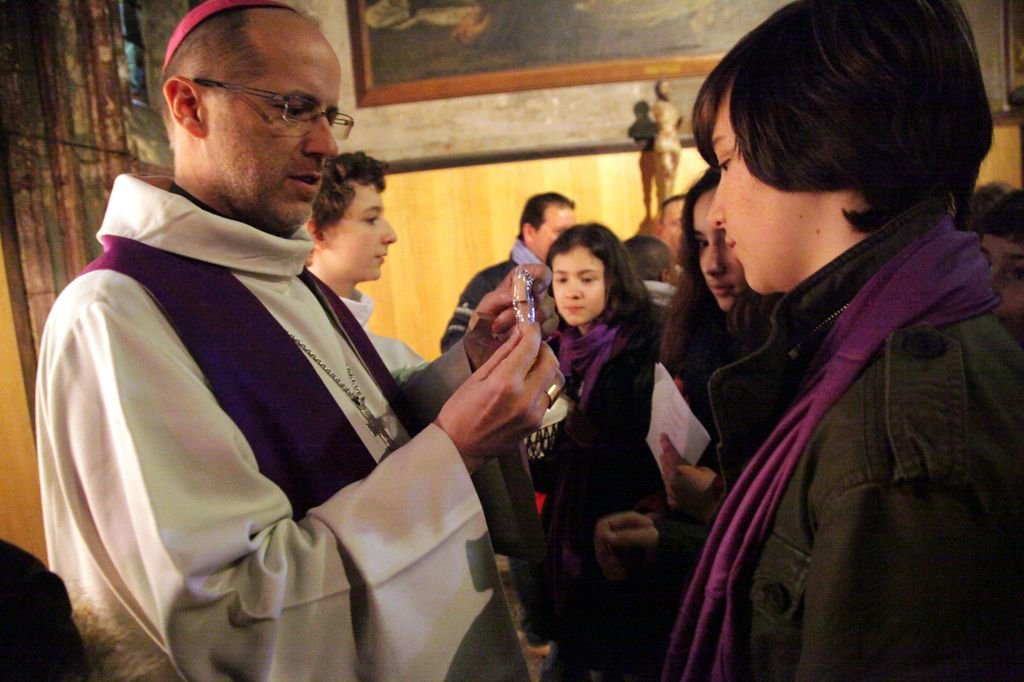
904	293
584	356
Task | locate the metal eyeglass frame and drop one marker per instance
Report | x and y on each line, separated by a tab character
338	121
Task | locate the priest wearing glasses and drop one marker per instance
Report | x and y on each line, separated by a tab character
230	475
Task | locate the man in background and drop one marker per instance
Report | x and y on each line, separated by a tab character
545	216
652	261
669	226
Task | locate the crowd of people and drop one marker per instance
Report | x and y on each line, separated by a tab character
245	482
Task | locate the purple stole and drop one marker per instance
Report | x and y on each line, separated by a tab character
301	438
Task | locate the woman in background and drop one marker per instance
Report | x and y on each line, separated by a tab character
607	349
1001	228
711	321
698	337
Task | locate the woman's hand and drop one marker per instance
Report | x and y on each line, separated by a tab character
624	543
697	491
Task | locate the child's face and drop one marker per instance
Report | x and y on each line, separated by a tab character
579	287
1007	260
780	237
354	249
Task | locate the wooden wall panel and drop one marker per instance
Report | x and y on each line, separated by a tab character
62	141
1004	160
21	519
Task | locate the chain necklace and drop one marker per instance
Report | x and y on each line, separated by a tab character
373	422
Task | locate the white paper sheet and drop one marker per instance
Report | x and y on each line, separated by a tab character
671	415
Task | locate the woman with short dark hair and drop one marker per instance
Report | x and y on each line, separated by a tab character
871	447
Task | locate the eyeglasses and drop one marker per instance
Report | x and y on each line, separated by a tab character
295	109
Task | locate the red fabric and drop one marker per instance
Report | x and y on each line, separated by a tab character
204	12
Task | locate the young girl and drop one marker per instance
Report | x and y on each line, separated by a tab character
607	351
697	338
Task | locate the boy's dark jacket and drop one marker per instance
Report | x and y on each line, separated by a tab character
898	547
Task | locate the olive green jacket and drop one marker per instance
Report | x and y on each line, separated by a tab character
898	547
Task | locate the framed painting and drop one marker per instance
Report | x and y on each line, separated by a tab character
414	50
1014	40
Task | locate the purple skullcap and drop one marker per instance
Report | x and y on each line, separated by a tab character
206	10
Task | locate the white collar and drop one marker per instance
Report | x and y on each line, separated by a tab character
361	306
143	209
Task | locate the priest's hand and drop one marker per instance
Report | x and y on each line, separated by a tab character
503	401
624	543
494	319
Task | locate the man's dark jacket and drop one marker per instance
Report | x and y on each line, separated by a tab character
482	284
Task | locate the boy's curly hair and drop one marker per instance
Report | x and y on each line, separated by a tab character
337	191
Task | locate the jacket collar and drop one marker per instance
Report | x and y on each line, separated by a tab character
749	396
812	302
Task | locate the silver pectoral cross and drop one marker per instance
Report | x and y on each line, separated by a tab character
376	426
